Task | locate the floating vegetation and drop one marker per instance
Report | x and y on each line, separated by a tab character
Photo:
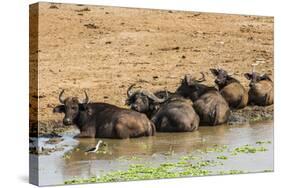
190	157
231	172
208	163
248	149
222	157
263	142
216	148
142	172
187	165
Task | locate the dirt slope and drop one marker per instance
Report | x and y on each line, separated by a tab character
103	50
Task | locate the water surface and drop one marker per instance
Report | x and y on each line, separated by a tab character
164	147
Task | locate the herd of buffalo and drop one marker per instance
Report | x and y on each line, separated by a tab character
193	103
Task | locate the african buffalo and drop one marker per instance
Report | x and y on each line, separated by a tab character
208	103
102	120
231	89
169	115
261	89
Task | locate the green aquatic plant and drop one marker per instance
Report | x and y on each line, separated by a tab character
143	172
248	149
208	163
189	158
263	142
216	148
184	166
232	172
222	157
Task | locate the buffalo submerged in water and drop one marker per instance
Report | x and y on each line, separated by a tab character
174	114
208	103
102	120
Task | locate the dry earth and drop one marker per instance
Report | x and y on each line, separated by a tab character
104	49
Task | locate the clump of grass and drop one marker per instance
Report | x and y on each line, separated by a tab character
189	158
208	163
263	142
216	148
185	166
231	172
142	172
222	157
248	149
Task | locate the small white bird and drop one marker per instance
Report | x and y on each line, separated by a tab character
95	149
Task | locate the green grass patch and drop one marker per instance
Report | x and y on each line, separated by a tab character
231	172
222	157
143	172
216	148
263	142
188	165
248	149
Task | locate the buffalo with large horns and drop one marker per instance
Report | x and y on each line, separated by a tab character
102	120
208	103
168	114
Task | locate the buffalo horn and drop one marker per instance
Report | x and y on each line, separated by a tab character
153	97
202	79
61	99
86	100
129	92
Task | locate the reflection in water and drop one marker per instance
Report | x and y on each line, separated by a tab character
153	149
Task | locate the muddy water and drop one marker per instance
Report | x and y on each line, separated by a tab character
72	162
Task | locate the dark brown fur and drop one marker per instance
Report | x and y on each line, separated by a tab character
173	115
261	91
102	120
231	89
208	102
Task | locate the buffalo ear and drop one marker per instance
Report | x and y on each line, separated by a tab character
249	76
215	72
59	109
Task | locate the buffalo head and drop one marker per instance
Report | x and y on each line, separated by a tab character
142	101
255	77
70	106
222	77
191	87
